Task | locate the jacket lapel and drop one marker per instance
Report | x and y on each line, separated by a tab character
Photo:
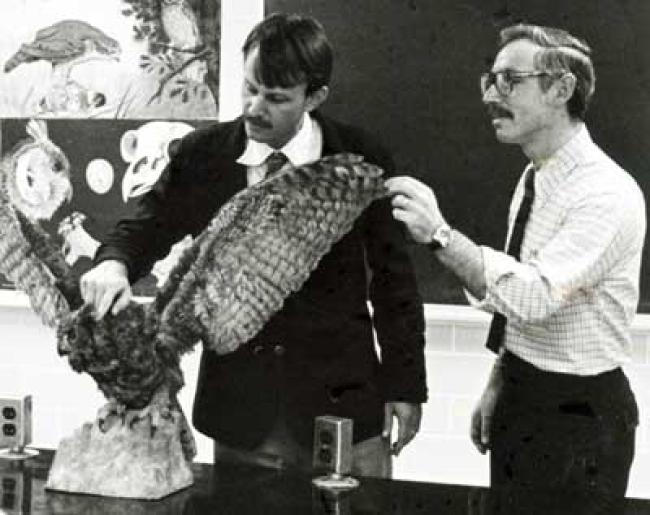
234	180
332	143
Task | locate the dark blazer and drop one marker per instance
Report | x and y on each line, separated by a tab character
316	356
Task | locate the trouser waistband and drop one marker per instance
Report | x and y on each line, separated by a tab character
528	375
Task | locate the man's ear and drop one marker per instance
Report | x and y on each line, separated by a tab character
315	99
564	88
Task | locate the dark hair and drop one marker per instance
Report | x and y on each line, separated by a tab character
292	49
561	52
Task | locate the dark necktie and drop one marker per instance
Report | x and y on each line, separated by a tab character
498	325
274	162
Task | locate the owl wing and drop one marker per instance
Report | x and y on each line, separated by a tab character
30	259
261	247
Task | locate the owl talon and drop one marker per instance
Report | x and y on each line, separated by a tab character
155	413
110	413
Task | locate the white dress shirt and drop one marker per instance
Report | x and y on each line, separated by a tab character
571	299
305	147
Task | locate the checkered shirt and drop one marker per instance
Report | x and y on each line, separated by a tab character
572	298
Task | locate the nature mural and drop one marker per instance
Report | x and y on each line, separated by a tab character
109	85
110	59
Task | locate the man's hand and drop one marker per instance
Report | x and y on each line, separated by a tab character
416	206
104	286
408	419
482	421
482	415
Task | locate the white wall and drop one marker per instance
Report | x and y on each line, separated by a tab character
237	19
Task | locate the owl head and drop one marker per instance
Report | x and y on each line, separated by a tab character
36	174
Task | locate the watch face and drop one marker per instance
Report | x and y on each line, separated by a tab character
441	237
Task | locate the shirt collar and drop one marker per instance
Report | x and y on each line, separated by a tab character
304	147
558	167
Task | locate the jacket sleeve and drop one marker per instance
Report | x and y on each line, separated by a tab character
147	235
398	313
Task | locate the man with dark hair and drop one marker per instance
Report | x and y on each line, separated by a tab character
317	355
558	412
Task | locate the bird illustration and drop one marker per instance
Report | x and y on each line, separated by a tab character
70	99
77	243
40	178
147	150
65	44
180	25
34	183
260	247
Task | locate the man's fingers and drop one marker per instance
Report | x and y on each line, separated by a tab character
402	215
406	186
400	201
416	206
411	191
486	422
409	417
477	430
397	447
87	291
106	286
104	304
122	301
388	422
403	439
419	227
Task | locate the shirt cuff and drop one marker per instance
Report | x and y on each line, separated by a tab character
496	266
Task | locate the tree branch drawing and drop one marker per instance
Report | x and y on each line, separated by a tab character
164	25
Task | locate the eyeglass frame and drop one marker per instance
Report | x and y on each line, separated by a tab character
510	78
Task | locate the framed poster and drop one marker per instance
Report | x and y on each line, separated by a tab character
110	59
112	83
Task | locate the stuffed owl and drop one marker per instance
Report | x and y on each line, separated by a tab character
260	247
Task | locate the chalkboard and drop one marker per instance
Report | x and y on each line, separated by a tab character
408	70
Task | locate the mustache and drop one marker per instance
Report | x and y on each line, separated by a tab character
497	111
258	122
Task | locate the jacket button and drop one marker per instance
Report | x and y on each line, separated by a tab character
279	350
258	349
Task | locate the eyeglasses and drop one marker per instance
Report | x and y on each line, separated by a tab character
505	81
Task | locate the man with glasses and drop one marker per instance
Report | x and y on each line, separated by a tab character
557	412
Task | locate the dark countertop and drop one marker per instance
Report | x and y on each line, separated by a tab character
246	490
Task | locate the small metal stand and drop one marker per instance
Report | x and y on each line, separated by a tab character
333	454
17	453
335	482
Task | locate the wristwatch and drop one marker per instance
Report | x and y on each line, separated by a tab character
440	238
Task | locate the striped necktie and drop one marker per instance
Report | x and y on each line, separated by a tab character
498	326
275	162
